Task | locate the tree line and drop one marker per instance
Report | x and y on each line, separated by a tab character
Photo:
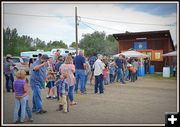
96	42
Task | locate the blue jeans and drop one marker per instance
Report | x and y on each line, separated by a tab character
19	103
126	75
80	75
111	78
120	74
85	81
98	83
9	79
71	93
37	101
133	77
28	110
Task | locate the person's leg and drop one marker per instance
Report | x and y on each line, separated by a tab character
122	76
23	109
71	93
16	110
77	80
57	92
7	83
101	87
37	98
96	85
85	81
12	80
28	110
82	77
118	74
64	103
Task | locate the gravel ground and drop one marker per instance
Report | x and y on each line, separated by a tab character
142	102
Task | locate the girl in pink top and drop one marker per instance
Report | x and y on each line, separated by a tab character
69	68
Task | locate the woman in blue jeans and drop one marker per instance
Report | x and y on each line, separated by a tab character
69	68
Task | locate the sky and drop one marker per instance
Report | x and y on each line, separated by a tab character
56	21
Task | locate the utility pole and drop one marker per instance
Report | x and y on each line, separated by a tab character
76	31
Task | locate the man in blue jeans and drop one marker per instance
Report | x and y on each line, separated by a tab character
80	67
98	73
37	80
120	68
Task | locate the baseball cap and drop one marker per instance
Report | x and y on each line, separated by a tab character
45	56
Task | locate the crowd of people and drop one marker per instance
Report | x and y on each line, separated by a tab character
64	76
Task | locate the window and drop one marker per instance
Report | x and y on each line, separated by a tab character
16	60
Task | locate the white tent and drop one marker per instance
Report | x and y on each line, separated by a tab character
174	53
132	54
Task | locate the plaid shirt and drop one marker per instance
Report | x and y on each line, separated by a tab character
63	87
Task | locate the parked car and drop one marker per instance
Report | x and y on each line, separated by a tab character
22	63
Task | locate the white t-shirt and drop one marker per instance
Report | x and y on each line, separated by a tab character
98	67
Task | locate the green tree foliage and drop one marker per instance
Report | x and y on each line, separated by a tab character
15	44
98	42
73	45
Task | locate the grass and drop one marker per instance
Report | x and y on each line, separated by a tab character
158	77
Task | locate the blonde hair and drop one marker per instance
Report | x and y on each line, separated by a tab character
68	60
21	74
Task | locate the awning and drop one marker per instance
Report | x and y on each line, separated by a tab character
132	54
174	53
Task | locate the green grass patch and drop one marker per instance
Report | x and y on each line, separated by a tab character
158	77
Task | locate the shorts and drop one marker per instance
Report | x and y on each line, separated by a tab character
50	84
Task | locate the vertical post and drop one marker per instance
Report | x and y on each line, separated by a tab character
76	31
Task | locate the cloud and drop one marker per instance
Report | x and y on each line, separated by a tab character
63	28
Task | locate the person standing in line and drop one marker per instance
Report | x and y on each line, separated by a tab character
98	73
92	60
87	71
80	67
120	67
37	81
57	66
8	72
21	91
69	69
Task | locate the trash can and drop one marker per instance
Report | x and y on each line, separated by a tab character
166	72
141	71
151	69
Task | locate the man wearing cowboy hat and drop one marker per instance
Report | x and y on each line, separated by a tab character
8	71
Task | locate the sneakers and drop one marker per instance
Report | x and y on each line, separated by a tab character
41	111
48	97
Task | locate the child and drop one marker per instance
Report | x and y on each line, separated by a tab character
133	73
50	83
28	110
21	89
112	72
104	75
63	93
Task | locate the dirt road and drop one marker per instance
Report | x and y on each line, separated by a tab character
144	101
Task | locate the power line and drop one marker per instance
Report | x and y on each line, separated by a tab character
105	20
102	26
88	26
8	13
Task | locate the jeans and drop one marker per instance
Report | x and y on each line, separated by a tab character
98	83
19	103
80	75
120	74
85	81
9	79
71	93
133	77
37	101
126	75
111	78
28	110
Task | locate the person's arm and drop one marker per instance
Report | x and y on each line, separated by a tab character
73	68
36	68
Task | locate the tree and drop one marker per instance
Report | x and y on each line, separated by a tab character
73	45
98	42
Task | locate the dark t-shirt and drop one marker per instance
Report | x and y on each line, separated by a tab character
79	62
119	63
